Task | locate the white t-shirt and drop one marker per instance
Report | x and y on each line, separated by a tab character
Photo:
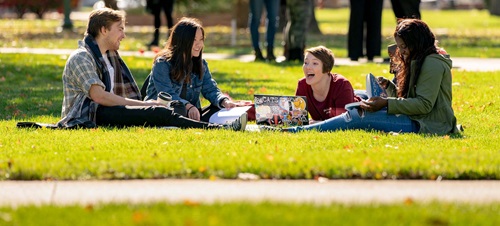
111	71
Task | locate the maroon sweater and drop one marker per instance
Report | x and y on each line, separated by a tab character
340	94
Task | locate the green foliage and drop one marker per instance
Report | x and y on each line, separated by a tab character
192	213
30	87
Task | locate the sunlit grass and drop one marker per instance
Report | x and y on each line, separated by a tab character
192	213
31	90
463	33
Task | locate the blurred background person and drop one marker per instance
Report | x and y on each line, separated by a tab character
272	10
406	8
155	7
365	15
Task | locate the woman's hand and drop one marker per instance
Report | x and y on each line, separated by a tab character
382	82
192	112
228	104
374	104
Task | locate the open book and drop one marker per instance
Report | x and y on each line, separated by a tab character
373	89
228	115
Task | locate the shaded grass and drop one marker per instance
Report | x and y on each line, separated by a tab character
192	213
31	90
470	33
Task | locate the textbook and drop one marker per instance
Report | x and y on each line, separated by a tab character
228	115
373	89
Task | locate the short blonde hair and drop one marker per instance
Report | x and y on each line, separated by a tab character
103	17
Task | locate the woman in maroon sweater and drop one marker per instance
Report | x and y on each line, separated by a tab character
327	93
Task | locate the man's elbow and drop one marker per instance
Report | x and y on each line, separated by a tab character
99	99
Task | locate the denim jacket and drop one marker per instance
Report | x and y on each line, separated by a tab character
160	80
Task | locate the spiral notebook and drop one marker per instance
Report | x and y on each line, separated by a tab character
283	111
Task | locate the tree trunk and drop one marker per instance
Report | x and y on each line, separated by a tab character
495	7
241	13
313	23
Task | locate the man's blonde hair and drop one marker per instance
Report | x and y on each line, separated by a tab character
103	17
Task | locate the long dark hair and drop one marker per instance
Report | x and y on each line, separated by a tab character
421	42
177	51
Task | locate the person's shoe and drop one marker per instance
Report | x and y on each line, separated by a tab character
270	128
270	54
259	56
239	124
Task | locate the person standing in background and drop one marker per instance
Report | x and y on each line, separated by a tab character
299	14
406	8
365	15
155	7
272	9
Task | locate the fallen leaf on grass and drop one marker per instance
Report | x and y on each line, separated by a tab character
188	202
248	176
408	201
321	179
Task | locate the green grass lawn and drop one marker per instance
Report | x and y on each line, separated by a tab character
189	213
31	90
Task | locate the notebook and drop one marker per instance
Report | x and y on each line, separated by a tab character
282	111
373	89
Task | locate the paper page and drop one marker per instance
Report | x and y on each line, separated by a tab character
352	105
224	116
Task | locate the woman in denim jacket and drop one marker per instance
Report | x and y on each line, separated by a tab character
180	70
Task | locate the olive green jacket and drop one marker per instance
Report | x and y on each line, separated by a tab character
429	98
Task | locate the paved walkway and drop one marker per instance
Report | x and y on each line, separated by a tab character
459	63
16	193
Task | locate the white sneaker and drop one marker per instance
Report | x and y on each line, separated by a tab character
239	124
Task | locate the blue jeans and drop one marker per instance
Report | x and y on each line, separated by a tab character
272	8
380	120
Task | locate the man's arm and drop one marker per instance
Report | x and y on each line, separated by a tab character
100	96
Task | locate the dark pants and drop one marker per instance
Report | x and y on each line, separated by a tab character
207	112
365	14
168	7
406	8
149	116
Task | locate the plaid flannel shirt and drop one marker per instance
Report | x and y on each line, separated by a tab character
79	74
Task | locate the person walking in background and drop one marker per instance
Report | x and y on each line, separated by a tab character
365	15
99	89
422	101
155	7
327	93
180	70
406	8
272	10
299	15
